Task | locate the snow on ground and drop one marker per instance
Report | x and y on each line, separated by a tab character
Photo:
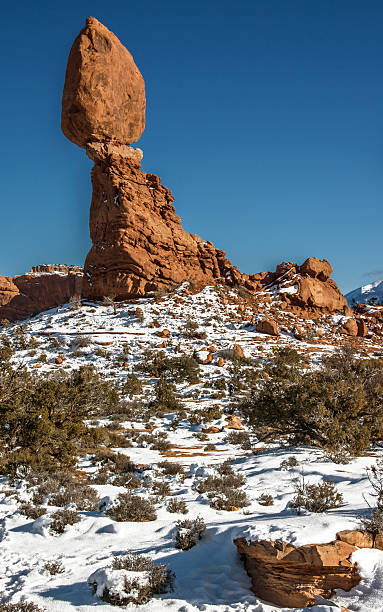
210	577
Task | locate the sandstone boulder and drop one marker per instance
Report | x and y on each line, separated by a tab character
292	576
349	328
267	326
316	268
104	92
233	422
237	351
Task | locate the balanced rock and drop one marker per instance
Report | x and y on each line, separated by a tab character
104	92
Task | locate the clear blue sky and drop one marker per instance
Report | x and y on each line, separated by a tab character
264	117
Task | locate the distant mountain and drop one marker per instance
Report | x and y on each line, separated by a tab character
368	293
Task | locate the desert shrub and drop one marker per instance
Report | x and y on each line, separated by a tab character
113	462
42	419
173	369
177	506
126	585
42	358
223	490
210	447
165	396
340	404
373	521
188	532
83	497
225	469
219	383
337	454
191	331
31	511
80	342
131	507
316	498
62	518
54	567
127	480
171	469
238	438
5	323
265	499
289	463
132	385
22	606
221	484
75	302
161	488
232	498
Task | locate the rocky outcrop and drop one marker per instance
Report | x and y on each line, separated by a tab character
29	294
292	576
307	290
139	244
104	92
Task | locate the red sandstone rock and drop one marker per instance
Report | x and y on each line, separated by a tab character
292	576
211	430
104	92
233	422
163	333
266	326
237	351
316	268
349	327
32	293
362	328
220	362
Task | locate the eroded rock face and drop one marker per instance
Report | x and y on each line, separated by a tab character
139	244
295	576
307	290
29	294
104	92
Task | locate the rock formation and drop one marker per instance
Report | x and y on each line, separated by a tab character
139	245
104	92
34	292
294	577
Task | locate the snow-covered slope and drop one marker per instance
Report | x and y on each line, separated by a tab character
210	576
366	293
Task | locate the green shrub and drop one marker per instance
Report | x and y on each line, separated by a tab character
132	385
165	396
341	404
174	369
42	419
316	498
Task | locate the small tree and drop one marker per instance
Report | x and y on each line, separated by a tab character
110	300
